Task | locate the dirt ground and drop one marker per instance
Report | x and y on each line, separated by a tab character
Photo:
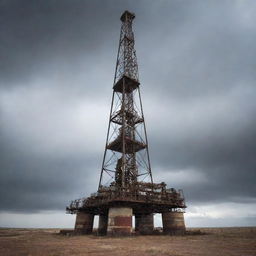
211	241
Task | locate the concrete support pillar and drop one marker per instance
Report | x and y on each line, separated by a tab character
103	224
173	223
119	221
144	223
137	222
84	223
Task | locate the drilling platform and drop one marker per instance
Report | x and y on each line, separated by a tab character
126	186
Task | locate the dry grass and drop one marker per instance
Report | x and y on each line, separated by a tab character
210	241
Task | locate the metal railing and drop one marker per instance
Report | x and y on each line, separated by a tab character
169	197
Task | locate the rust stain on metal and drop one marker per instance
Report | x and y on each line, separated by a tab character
122	221
126	178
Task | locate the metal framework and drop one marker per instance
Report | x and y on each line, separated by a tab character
126	157
126	177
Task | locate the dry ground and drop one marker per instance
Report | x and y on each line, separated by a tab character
216	241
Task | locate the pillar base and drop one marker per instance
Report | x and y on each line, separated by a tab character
173	223
84	223
144	224
103	224
119	221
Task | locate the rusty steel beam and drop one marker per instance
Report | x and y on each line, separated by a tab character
126	184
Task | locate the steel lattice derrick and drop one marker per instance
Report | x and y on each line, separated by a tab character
126	59
123	161
126	178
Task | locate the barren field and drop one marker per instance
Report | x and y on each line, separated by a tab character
211	241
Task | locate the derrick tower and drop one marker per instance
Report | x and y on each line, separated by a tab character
126	157
126	186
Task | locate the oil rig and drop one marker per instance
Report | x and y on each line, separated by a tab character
126	186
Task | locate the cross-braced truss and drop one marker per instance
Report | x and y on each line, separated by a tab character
126	158
126	177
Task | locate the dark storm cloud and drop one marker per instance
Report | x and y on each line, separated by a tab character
209	51
196	62
30	182
38	37
218	142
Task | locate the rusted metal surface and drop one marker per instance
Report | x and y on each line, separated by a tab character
123	221
173	223
84	223
126	157
126	178
144	224
103	224
119	221
152	196
120	232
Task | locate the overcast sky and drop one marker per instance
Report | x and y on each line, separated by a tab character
197	64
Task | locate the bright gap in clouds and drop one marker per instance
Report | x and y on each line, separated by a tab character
55	123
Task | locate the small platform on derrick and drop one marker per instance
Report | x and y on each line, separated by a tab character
128	83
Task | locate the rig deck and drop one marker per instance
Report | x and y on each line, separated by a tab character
142	197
